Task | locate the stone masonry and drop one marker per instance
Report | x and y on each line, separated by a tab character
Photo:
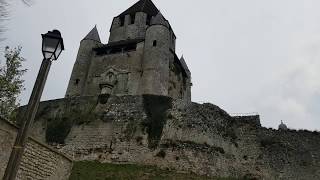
39	160
157	130
139	58
129	101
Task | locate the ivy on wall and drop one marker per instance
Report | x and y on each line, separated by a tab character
156	108
72	114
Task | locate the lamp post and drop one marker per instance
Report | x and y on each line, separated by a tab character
52	46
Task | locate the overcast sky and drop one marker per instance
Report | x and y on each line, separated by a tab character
245	56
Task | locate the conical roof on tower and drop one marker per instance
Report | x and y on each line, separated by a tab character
93	35
146	6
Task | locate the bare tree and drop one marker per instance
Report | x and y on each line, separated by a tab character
27	2
4	14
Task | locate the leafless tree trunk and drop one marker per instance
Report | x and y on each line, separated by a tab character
4	15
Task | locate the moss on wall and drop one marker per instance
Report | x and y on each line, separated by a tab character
156	109
58	130
192	145
72	114
131	128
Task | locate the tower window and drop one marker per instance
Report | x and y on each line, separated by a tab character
148	20
154	43
132	18
173	40
76	82
122	21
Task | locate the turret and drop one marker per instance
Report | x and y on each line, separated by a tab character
282	127
156	56
82	64
133	22
139	58
187	83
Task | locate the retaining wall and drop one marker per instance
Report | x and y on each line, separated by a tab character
38	162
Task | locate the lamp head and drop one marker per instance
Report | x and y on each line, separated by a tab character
52	45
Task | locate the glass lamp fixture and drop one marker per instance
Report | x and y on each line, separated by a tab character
52	45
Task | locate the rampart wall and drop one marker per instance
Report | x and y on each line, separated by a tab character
157	130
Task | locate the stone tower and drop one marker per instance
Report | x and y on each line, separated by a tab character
139	58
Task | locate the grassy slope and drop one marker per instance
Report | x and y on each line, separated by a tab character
97	171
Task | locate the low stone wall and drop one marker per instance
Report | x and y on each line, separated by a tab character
38	162
252	119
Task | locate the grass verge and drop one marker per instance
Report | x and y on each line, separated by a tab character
91	170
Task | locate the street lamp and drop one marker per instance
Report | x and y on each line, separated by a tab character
52	46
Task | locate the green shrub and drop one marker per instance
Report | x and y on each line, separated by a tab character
161	154
57	131
268	141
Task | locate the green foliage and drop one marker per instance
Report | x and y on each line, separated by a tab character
161	154
131	128
230	132
156	109
11	83
205	147
139	140
268	141
91	170
219	149
58	130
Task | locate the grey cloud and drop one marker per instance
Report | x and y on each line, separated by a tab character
245	56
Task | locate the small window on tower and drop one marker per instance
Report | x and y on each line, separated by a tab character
122	21
148	20
77	81
154	43
132	18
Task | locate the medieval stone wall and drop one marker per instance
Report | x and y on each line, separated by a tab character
156	130
177	81
128	30
124	67
38	162
79	76
156	58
